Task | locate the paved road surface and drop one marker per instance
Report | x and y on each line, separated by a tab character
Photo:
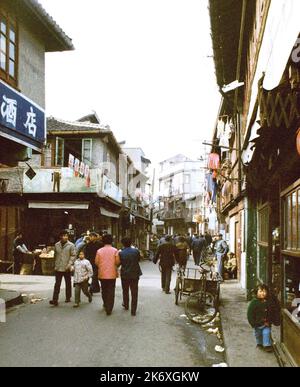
40	335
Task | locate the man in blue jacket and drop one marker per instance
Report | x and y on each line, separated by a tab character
130	274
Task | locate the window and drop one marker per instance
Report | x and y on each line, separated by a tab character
187	179
8	49
292	220
48	155
59	154
81	149
87	151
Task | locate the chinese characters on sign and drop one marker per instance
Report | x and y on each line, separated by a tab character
21	119
31	122
9	110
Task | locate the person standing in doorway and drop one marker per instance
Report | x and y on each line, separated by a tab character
107	260
130	274
19	249
221	249
259	318
64	255
166	254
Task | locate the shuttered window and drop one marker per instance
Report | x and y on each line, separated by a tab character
8	49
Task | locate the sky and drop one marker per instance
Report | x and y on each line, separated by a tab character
145	67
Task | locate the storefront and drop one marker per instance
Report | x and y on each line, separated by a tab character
290	252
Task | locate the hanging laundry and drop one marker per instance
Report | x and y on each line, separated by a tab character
71	161
208	182
214	174
207	198
220	128
213	161
81	169
226	190
88	180
214	191
212	220
76	167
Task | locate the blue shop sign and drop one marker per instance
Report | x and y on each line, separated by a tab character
21	120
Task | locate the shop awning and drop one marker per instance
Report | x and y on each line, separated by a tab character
59	205
109	214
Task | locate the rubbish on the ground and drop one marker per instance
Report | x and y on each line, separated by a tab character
31	298
220	365
183	315
218	348
214	331
35	300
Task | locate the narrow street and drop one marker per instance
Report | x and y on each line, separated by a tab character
159	336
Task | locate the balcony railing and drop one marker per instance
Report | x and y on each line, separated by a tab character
62	180
174	214
111	190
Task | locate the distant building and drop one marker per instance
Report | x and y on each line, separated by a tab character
181	191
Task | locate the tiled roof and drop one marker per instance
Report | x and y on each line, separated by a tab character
55	38
54	124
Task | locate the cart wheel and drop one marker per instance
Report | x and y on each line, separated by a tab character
200	307
177	290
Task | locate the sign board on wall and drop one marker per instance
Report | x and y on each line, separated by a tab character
21	120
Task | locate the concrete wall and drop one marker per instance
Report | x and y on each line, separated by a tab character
31	66
97	153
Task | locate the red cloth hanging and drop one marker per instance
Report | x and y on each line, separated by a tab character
213	161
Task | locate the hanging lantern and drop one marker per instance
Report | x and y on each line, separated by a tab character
298	142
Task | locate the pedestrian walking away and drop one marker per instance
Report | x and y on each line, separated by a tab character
198	245
182	252
221	249
107	260
83	271
166	255
130	274
64	255
90	251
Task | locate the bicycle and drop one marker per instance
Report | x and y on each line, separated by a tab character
201	307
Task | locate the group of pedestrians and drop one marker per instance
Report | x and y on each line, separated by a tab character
97	261
179	248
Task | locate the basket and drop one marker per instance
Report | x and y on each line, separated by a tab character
27	258
48	266
192	285
26	269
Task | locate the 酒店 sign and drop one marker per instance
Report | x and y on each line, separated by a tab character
21	120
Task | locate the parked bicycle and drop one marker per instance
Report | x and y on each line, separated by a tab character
201	306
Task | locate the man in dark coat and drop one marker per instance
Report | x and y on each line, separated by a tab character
19	249
198	245
130	274
166	254
90	251
208	238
